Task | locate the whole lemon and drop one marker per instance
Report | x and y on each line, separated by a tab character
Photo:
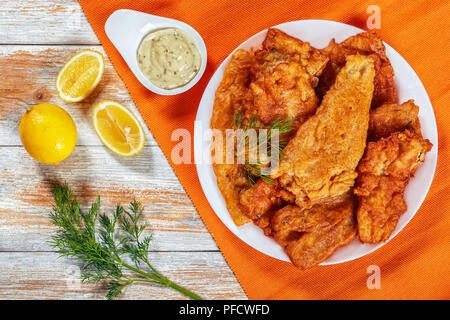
48	133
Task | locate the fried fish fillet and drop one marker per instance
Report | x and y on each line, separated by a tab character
369	44
260	202
309	236
279	47
263	197
321	159
383	174
286	92
284	77
230	96
283	90
391	118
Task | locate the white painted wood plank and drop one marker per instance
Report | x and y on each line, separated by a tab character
42	275
28	72
25	198
44	22
28	77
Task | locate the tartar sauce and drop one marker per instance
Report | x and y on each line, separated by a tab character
169	57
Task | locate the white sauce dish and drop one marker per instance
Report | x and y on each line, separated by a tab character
127	28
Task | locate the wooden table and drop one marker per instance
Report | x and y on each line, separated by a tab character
36	39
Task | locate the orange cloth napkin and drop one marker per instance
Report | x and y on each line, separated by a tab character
415	264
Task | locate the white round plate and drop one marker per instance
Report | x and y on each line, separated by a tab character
318	33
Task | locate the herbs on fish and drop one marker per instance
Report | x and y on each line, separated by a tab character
246	147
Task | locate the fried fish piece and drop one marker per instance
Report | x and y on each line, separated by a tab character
260	202
284	77
230	96
286	92
321	159
279	47
310	236
365	43
391	118
383	175
263	197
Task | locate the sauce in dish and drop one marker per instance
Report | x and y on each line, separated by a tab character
169	57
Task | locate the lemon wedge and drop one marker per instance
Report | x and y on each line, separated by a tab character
80	75
118	128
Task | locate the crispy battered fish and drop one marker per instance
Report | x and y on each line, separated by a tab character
230	96
321	159
261	200
391	118
369	44
284	77
286	92
383	174
263	197
309	236
279	47
310	208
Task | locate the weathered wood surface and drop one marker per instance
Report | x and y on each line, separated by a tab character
36	39
42	275
28	77
44	22
26	200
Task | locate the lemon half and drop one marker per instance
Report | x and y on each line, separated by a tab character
118	128
48	133
80	75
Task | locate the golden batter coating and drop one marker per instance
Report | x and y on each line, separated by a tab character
383	175
285	93
230	96
320	161
310	204
279	47
309	236
368	44
391	118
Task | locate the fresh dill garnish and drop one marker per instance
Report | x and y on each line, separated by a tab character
245	147
103	250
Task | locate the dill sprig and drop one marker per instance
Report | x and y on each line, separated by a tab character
254	169
102	250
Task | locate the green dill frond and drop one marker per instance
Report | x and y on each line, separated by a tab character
114	289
